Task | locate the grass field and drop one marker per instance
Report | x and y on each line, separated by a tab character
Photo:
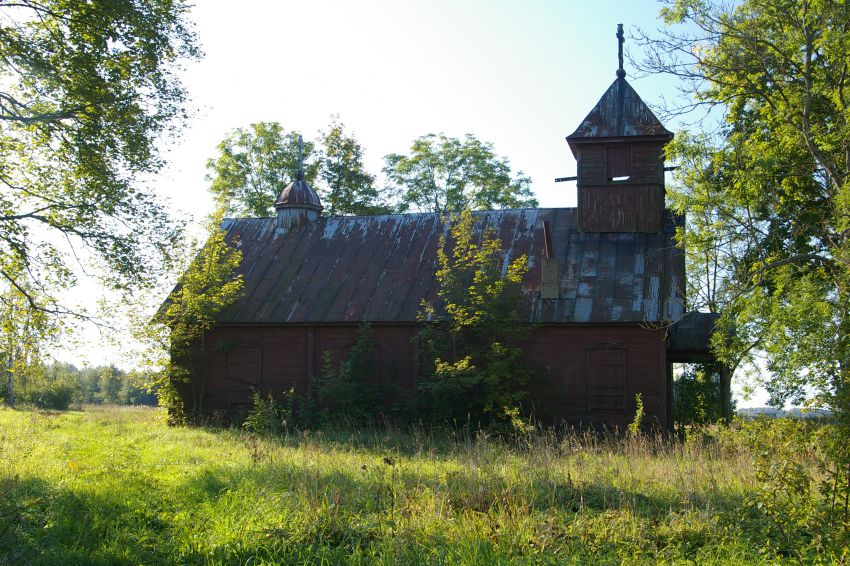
117	485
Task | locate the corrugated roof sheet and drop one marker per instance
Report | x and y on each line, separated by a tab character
619	113
380	268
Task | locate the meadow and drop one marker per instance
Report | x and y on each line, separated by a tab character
118	485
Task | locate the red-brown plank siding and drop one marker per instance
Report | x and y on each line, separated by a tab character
622	208
559	354
634	204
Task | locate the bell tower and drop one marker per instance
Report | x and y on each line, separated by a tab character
619	148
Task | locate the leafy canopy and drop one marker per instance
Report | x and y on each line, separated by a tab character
256	163
443	174
768	193
347	188
253	167
210	284
470	336
88	90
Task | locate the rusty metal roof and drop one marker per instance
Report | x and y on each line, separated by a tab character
380	268
619	113
691	335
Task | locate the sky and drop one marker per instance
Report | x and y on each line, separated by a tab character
520	75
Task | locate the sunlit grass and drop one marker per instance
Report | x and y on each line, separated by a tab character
118	485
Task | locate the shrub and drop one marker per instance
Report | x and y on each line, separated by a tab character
268	416
799	508
473	367
344	391
45	390
696	395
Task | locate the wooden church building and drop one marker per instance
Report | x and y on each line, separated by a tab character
604	286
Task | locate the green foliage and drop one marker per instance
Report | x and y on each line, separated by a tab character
797	510
696	395
54	394
89	90
46	390
254	165
104	384
57	386
767	193
346	392
444	174
78	487
210	284
637	420
25	329
269	416
441	174
347	188
474	369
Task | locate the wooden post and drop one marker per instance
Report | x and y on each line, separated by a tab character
669	390
311	357
726	393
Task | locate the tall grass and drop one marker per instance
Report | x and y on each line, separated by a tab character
119	486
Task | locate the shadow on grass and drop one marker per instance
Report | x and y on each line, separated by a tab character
337	516
383	485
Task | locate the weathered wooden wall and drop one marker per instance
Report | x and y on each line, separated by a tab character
581	378
632	205
281	357
569	383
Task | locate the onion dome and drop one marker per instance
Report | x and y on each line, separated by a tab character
299	193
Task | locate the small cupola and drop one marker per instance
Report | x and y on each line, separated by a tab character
619	150
298	204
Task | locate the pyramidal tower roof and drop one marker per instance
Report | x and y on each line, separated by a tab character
620	112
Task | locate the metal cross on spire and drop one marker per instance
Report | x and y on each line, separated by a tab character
620	41
299	174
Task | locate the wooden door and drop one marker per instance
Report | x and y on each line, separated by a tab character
243	375
606	379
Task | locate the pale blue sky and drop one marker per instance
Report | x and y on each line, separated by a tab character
520	75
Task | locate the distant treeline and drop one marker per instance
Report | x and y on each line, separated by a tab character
57	386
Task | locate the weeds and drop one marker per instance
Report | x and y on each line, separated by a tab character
270	416
143	492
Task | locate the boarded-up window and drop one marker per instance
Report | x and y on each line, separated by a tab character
550	273
606	378
243	375
618	162
550	287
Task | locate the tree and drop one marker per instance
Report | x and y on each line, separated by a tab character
254	165
444	174
469	338
109	385
88	90
23	332
209	285
768	193
347	187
